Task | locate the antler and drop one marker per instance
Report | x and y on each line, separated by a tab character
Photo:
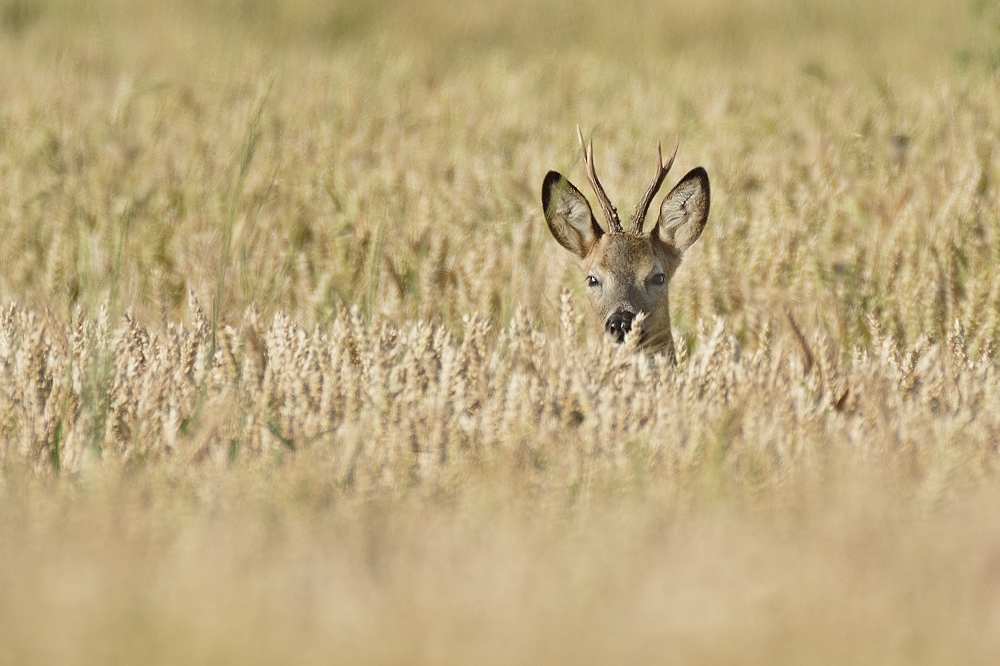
610	214
641	208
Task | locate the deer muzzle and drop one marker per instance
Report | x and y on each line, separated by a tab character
618	325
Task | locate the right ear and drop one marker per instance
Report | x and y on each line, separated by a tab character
684	211
569	215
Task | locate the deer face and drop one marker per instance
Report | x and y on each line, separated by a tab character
629	272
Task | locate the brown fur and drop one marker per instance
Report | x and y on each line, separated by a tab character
623	269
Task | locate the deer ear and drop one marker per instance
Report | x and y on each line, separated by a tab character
684	211
569	215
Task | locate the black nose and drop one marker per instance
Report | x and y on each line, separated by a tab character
619	324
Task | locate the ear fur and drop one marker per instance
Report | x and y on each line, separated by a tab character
569	215
684	211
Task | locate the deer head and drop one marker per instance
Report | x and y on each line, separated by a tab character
629	272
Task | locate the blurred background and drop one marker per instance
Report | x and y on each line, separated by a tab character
301	155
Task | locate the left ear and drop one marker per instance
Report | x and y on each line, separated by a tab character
684	211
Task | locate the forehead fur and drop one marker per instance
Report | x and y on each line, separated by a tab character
624	253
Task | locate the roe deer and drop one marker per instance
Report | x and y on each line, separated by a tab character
629	272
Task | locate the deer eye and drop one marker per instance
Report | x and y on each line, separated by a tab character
593	281
658	280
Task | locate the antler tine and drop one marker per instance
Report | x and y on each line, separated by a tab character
610	214
641	208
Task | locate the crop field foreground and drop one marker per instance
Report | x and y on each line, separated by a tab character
293	371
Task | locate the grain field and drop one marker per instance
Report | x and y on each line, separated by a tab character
292	371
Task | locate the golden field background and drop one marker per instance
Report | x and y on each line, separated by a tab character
291	370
